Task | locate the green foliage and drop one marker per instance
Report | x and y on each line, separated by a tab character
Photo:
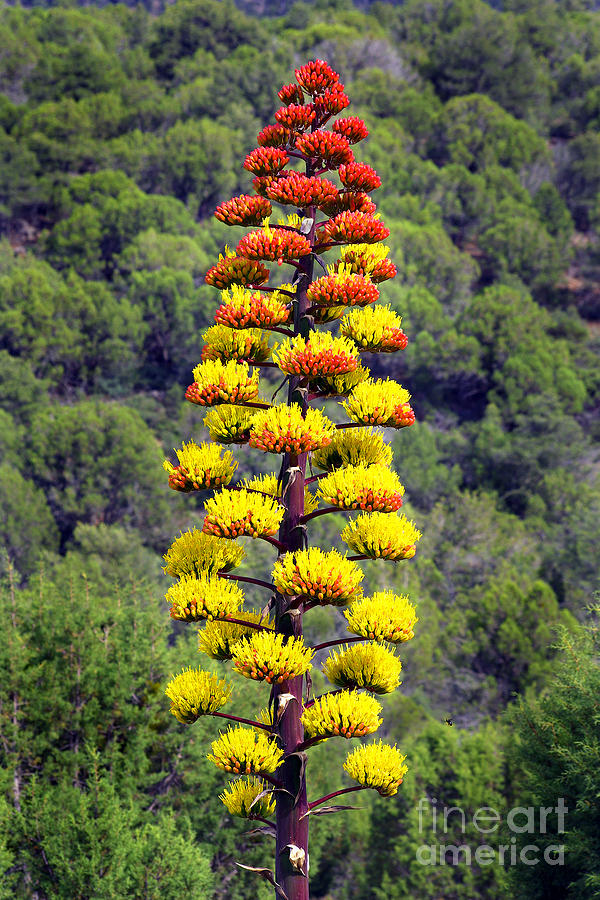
553	753
97	462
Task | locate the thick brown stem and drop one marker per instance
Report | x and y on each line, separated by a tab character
291	818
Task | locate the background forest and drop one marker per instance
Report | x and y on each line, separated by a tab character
121	128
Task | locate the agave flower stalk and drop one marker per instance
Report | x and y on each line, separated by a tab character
329	206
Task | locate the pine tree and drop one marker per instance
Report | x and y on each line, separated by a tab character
270	753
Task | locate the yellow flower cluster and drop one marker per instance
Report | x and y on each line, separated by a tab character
201	466
341	385
269	484
231	514
217	638
245	751
229	424
349	714
266	656
376	329
362	487
239	797
221	342
381	536
378	766
353	447
322	354
383	617
317	575
241	308
195	693
217	382
369	666
194	553
324	314
369	259
281	429
376	402
205	597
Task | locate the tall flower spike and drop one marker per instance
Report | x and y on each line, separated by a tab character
217	382
266	161
226	343
265	656
353	447
383	617
270	484
195	693
231	514
369	666
376	330
205	597
243	210
217	638
325	578
378	766
229	424
240	798
195	554
233	269
349	714
342	288
369	259
354	227
245	751
273	244
321	355
381	536
241	308
379	403
201	466
363	487
282	429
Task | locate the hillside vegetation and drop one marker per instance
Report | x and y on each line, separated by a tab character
121	128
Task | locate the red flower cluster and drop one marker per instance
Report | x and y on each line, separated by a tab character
274	136
236	270
266	160
332	102
352	128
394	339
352	201
219	392
262	312
325	148
301	190
346	290
316	76
371	500
243	210
354	228
403	416
296	117
320	362
275	244
291	93
360	262
359	177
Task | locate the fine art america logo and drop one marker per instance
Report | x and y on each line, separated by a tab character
486	820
